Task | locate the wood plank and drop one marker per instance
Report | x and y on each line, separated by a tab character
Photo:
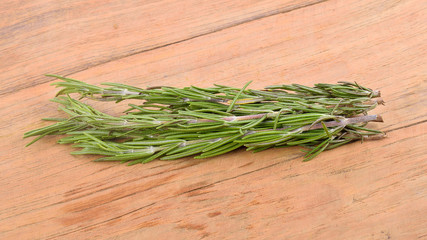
375	189
46	36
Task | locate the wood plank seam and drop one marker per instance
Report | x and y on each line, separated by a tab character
407	126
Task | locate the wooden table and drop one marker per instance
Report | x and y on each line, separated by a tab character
374	190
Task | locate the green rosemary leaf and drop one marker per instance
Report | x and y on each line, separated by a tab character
153	142
86	151
192	151
157	155
196	129
221	150
230	107
312	139
216	134
317	150
201	115
337	143
124	157
180	135
254	123
256	149
352	126
221	141
326	129
188	146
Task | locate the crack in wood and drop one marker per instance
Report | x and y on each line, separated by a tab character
99	223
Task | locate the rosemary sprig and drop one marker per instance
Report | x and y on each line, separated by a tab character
172	123
345	98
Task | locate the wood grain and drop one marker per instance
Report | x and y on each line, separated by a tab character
374	190
42	36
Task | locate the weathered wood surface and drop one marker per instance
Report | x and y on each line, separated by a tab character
374	190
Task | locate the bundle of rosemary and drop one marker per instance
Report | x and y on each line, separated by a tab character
170	123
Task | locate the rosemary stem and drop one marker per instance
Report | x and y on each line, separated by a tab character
237	118
345	122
